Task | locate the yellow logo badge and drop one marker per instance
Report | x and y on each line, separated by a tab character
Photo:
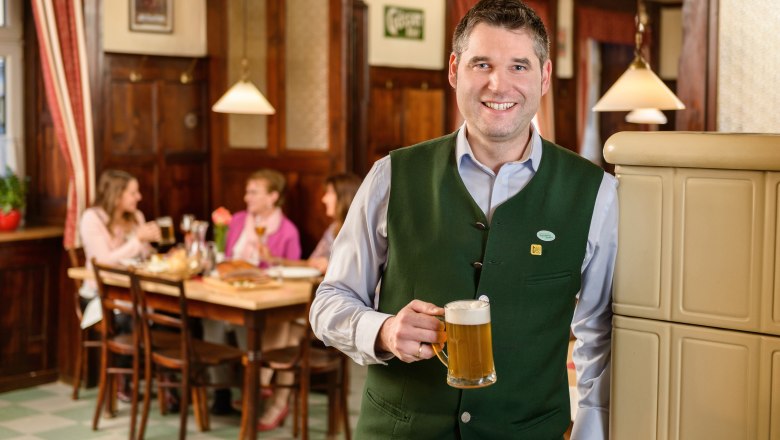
536	249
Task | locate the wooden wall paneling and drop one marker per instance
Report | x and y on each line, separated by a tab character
423	117
28	318
340	21
216	29
693	82
156	128
404	100
358	95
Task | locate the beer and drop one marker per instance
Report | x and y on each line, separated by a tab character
260	230
166	230
469	359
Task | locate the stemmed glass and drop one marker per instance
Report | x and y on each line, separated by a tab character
186	226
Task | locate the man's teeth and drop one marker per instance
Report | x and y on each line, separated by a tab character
500	106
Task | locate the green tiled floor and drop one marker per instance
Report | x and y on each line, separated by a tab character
48	413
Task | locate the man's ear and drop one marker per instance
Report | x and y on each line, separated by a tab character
452	73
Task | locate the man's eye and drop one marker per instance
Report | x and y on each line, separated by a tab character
521	68
481	66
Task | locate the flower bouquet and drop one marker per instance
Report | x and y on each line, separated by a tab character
221	218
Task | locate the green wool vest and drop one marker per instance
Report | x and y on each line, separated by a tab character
436	234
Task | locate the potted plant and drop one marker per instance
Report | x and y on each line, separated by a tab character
13	192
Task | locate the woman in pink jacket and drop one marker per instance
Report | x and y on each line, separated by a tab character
258	234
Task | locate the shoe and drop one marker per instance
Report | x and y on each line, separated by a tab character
277	422
126	396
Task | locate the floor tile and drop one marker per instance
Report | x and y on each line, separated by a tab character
38	423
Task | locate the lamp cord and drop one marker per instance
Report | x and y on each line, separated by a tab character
244	60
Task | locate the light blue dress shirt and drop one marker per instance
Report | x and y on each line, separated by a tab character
344	312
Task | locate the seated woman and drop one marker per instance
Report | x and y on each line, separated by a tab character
261	229
340	189
111	230
339	192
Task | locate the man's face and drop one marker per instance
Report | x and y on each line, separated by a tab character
499	83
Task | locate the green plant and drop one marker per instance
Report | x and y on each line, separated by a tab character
13	191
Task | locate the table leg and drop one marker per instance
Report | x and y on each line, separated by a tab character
251	385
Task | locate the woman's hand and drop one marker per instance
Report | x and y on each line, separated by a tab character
148	232
319	263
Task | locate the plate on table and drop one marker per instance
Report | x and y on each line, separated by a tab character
293	272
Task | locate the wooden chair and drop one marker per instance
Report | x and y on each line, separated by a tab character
189	357
83	336
311	358
113	344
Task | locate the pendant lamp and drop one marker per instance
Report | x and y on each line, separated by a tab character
646	116
638	87
244	97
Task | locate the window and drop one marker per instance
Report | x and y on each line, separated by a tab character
11	86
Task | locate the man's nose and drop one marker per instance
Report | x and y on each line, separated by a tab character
497	81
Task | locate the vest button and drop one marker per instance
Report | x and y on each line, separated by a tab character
477	265
484	298
480	226
465	417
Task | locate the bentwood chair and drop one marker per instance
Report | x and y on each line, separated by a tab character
312	358
189	357
114	344
83	336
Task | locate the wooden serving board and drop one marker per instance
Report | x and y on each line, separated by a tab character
229	287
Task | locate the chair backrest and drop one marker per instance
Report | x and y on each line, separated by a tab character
140	283
109	304
76	258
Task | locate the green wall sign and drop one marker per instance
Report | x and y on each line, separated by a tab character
404	23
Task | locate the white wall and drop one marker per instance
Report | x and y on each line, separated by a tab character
188	38
748	66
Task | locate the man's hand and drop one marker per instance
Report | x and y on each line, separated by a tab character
408	334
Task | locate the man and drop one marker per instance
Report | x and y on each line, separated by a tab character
459	221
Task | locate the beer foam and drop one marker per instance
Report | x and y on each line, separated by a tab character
467	312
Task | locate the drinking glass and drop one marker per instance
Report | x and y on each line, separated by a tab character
167	237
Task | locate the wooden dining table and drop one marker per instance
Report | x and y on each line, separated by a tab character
253	309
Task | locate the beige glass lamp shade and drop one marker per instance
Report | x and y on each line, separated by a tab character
244	98
646	116
638	88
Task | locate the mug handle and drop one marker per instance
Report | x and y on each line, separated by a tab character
438	349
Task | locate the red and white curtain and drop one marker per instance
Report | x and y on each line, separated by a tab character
60	28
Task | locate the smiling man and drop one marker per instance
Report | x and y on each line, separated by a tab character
495	212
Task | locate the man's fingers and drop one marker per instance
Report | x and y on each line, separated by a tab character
425	307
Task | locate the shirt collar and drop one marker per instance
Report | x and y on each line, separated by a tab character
463	149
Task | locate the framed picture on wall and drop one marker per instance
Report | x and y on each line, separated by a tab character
151	16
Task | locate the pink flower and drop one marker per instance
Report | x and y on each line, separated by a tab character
221	216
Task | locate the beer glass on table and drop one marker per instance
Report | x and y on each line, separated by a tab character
167	238
469	355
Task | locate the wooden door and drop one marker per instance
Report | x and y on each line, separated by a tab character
406	107
156	128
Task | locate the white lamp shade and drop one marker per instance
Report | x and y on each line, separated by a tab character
244	98
646	116
638	88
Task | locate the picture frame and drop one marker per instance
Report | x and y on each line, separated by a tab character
151	16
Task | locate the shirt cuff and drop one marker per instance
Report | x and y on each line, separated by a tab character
366	333
591	424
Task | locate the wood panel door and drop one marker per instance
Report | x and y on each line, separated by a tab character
156	127
406	107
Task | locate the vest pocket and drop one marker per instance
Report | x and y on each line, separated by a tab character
386	407
548	278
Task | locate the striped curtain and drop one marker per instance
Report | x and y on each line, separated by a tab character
60	29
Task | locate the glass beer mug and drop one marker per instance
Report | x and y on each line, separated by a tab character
469	356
